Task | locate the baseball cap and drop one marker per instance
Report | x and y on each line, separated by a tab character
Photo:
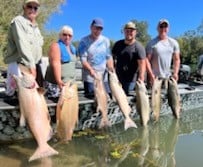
29	1
162	21
97	23
130	25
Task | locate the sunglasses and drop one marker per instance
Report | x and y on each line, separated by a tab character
64	34
35	8
163	26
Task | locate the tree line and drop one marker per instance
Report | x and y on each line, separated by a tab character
191	42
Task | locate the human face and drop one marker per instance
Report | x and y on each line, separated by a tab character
163	30
66	37
129	34
96	31
31	11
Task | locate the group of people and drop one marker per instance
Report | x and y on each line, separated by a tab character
128	57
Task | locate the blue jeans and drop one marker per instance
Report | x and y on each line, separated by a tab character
128	86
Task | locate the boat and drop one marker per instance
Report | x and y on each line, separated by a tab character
191	98
191	93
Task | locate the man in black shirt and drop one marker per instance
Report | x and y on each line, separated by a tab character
129	57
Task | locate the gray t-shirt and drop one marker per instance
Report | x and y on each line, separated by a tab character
161	52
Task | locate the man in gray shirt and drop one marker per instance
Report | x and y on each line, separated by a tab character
24	44
161	52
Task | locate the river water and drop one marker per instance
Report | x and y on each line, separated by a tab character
168	143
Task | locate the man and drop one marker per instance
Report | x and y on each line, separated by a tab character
161	52
24	49
129	56
94	52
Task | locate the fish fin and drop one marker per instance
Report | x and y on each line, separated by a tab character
104	123
22	120
42	152
129	124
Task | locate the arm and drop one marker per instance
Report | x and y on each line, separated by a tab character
110	64
87	66
149	69
142	68
55	61
176	65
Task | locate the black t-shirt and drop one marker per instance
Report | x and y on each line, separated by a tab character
126	57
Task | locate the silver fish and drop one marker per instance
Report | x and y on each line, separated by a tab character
67	111
34	110
101	99
142	102
121	98
174	97
156	98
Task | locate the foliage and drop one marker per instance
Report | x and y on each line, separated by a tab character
191	46
11	8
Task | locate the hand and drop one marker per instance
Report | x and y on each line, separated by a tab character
175	76
60	84
92	73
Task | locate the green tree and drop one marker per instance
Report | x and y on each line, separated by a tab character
11	8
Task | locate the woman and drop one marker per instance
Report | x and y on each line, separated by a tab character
62	58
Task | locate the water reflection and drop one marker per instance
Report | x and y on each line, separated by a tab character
152	146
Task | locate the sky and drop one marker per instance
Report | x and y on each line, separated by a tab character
183	15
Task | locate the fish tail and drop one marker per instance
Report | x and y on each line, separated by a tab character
42	152
104	123
129	124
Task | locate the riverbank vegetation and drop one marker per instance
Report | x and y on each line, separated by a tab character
191	42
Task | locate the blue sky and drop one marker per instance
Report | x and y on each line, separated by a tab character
183	15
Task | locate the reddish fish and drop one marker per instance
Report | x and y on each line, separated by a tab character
34	110
67	111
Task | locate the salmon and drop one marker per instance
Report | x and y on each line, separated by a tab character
142	102
34	111
102	100
121	98
174	97
67	111
156	98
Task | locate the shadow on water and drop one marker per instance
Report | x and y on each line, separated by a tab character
152	146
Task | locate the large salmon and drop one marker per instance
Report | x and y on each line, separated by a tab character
174	97
67	111
34	110
142	102
121	98
101	99
156	98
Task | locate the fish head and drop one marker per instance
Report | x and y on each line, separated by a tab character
26	81
112	76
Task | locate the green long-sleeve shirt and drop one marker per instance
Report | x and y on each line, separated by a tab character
24	43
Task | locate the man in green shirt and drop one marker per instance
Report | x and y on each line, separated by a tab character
24	45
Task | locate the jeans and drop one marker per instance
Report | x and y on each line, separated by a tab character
128	86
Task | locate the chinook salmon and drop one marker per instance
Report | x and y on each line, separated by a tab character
67	111
34	110
121	98
101	99
142	102
156	98
173	97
